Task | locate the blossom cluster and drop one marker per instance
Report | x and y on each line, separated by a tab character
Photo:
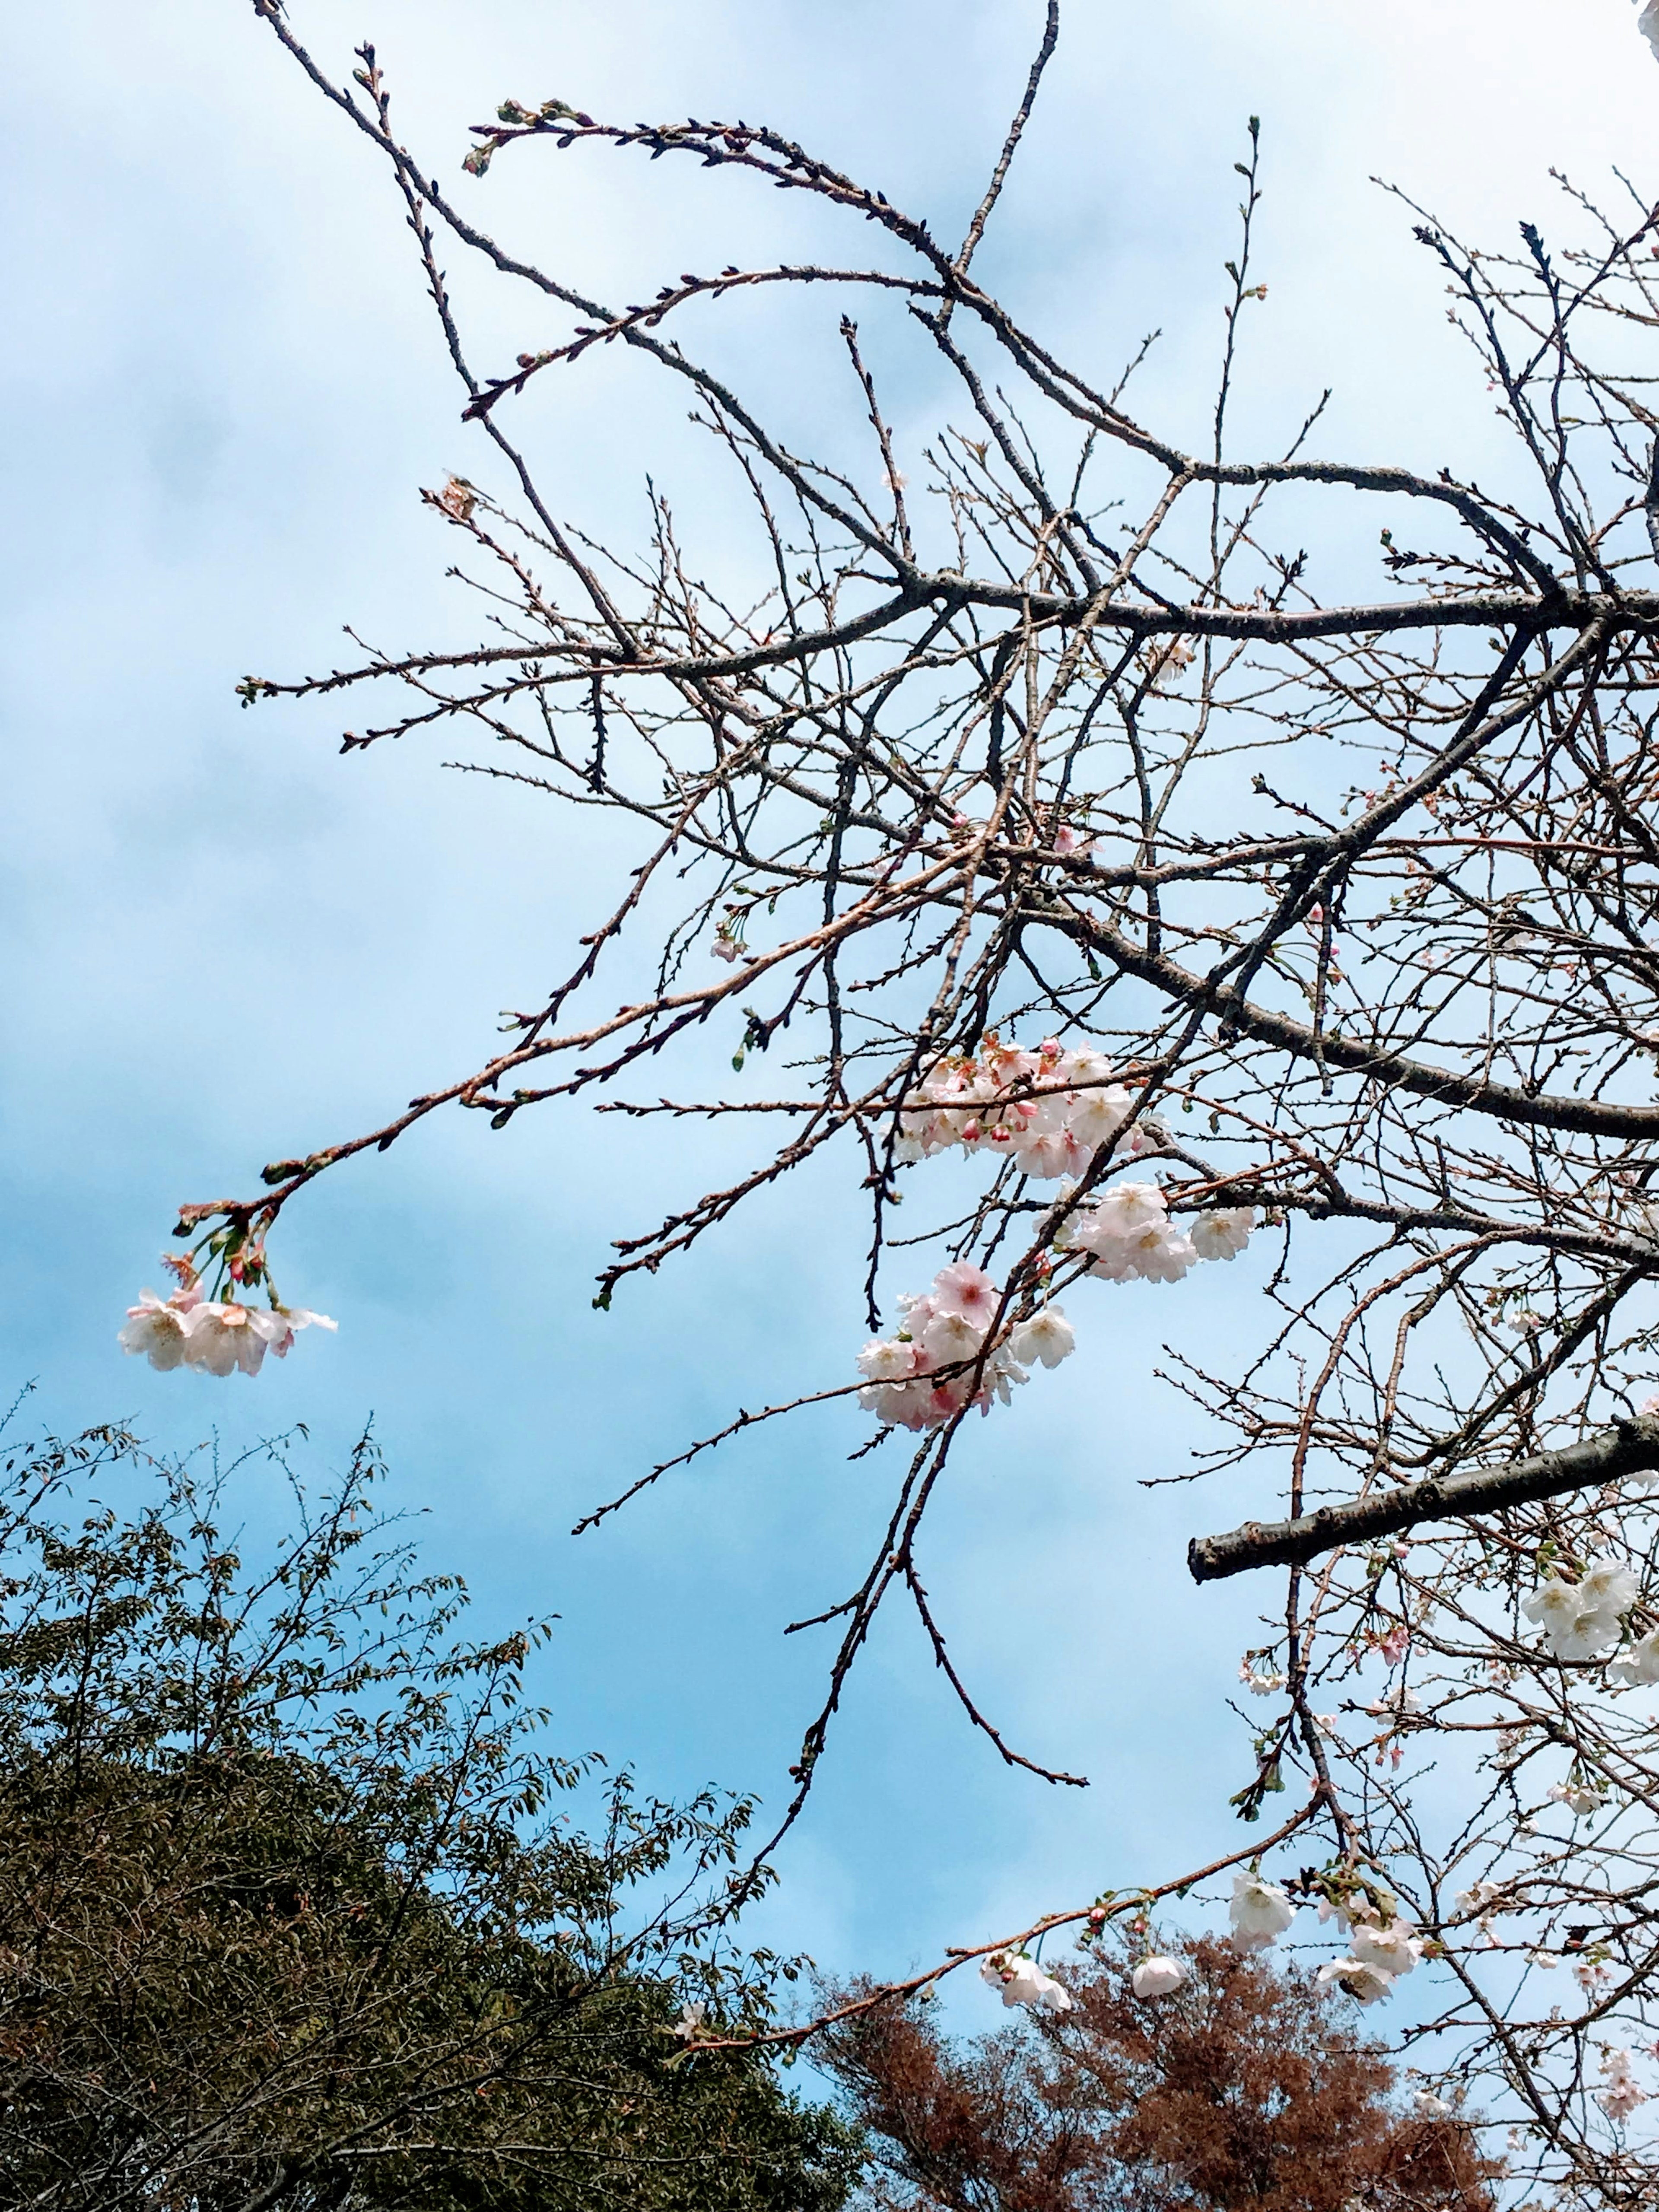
904	1385
1129	1236
1619	2094
1129	1233
1022	1981
1581	1620
988	1104
1379	1951
213	1336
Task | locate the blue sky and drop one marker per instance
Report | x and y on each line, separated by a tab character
227	943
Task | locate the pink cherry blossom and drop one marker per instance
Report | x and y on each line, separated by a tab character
964	1289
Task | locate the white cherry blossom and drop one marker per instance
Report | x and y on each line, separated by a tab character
688	2026
1046	1336
1223	1235
295	1318
1095	1116
223	1337
1048	1154
952	1336
1479	1897
1579	1797
1260	1912
1126	1209
887	1360
1158	1253
1393	1950
1022	1981
1362	1980
155	1327
1610	1589
1638	1666
1158	1976
1580	1619
1621	2094
1002	1371
212	1336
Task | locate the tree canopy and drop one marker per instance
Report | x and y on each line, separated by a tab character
288	1917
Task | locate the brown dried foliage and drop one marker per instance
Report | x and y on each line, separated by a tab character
1248	2087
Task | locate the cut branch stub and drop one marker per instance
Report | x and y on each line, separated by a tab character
1629	1448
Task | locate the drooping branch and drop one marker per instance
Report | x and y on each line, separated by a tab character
1629	1447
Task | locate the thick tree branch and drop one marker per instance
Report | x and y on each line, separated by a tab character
1629	1448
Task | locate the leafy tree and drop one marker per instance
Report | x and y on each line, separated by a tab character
1246	2087
286	1918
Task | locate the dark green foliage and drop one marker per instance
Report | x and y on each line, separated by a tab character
287	1919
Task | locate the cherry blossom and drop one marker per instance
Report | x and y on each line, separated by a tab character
1639	1666
1580	1619
1366	1983
1098	1115
1431	2107
952	1336
987	1104
688	2026
1477	1899
1050	1112
1158	1254
924	1374
226	1337
156	1327
1578	1796
1223	1235
1022	1981
214	1337
1393	1949
1260	1912
887	1360
1047	1336
1125	1210
966	1292
1158	1976
1620	2094
1131	1237
1610	1589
